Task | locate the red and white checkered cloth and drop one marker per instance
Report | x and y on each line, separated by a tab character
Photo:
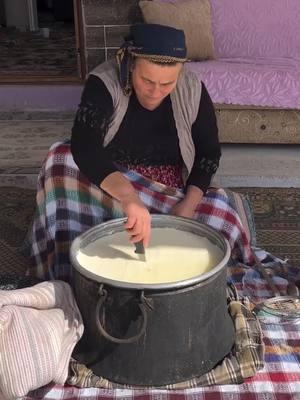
278	380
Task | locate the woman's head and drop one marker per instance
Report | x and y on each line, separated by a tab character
162	48
153	81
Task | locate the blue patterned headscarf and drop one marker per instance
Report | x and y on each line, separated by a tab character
158	43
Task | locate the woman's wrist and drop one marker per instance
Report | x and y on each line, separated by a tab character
193	196
119	187
130	197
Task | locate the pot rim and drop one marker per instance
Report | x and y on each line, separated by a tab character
157	221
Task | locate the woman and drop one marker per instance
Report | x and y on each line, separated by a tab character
144	140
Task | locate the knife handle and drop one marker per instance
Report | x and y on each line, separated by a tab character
139	248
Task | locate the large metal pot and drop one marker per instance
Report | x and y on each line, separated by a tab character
153	334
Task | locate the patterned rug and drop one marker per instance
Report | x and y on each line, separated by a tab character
277	220
276	215
33	54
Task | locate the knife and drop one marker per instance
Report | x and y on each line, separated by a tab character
140	251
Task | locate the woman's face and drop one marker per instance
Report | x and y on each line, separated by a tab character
153	82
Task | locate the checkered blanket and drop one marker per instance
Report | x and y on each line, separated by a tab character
68	204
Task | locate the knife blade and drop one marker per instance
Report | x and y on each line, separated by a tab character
140	251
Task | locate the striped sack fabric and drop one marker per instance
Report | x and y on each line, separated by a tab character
39	328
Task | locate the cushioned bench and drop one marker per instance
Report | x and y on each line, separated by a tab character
247	52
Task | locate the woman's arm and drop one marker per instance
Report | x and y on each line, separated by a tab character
208	152
207	146
90	126
138	223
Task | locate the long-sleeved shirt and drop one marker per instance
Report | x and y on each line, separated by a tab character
147	138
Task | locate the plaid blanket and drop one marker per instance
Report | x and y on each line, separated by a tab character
68	204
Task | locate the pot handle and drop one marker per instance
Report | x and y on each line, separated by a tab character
143	304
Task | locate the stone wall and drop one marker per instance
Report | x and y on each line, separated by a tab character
105	24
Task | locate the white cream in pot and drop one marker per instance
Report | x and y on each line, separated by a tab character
173	255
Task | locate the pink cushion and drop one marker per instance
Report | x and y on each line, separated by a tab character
272	83
256	28
257	44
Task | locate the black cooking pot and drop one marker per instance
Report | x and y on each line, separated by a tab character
153	334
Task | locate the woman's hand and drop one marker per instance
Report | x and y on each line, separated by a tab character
138	223
183	209
187	206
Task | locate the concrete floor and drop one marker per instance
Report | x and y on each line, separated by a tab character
24	143
259	165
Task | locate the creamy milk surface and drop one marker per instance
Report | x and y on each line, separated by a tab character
172	256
